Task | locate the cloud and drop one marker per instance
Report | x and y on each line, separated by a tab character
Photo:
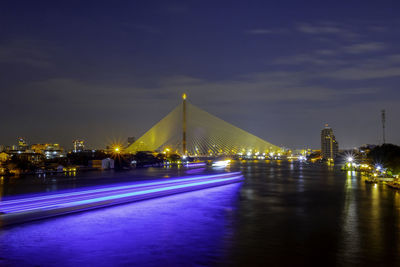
310	59
362	73
311	29
379	29
359	48
326	52
178	80
24	52
323	30
266	87
355	69
327	28
364	48
337	56
394	58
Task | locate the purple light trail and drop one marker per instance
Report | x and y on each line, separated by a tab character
34	208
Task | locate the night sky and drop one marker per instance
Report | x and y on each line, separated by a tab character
106	70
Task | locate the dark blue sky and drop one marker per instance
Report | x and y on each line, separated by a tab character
106	70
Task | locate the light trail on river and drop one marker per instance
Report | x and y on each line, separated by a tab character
38	207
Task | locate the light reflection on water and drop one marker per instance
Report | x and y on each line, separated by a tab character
350	234
287	214
143	233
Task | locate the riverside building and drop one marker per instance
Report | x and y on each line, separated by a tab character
329	145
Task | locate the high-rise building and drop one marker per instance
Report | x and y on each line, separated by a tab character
22	144
329	145
79	145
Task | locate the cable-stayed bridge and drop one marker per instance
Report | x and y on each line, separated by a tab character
190	130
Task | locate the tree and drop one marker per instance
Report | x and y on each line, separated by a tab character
388	155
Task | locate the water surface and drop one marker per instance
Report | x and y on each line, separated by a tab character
285	214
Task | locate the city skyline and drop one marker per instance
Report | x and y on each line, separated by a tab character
103	73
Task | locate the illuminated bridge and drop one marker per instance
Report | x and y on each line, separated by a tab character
190	130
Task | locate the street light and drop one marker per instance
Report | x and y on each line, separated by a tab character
378	167
116	149
349	163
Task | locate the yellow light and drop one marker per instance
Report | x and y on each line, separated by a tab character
117	149
184	96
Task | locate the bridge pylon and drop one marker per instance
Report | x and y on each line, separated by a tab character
184	150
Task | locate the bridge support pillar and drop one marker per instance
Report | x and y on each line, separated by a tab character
184	149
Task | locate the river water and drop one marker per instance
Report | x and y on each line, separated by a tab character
283	214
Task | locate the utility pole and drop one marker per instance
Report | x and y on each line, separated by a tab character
383	125
184	125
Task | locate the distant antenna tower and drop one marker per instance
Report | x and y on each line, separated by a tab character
383	125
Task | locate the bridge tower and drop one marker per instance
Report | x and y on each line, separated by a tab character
184	150
383	125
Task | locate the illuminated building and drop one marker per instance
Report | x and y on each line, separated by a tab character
329	145
79	146
22	144
39	148
53	151
50	151
21	148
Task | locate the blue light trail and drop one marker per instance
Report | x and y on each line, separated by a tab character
33	208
